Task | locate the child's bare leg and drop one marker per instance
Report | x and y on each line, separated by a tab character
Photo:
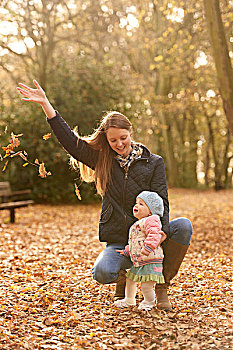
130	294
148	292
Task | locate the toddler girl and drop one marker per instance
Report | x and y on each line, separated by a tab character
144	250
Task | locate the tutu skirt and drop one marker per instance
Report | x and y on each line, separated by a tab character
146	273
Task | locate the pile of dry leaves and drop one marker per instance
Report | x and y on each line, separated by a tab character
48	299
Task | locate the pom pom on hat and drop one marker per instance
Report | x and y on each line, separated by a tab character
153	201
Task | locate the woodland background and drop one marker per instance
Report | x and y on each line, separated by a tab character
151	60
155	61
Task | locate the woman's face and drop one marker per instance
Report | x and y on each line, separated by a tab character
119	140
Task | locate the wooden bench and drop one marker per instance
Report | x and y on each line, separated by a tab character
9	199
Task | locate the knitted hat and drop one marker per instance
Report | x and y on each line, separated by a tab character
153	201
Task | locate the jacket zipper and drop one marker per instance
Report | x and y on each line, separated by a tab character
123	197
125	179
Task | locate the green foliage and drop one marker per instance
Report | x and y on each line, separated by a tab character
81	93
83	90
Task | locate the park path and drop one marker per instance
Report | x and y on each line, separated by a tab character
48	299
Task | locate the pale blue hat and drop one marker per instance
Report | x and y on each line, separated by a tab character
153	201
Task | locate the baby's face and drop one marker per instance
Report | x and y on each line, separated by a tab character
141	210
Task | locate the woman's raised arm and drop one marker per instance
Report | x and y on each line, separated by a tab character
78	149
38	96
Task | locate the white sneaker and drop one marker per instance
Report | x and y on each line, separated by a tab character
146	305
124	303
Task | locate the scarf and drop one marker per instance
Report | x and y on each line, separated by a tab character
136	153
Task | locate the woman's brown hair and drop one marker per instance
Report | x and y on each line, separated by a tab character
98	141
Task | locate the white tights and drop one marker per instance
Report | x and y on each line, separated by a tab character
130	294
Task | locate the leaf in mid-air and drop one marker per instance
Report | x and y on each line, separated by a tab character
47	136
77	192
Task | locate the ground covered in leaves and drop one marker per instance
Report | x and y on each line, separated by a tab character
49	300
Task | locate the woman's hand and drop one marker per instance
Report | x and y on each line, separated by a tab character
120	251
38	96
164	236
33	95
145	252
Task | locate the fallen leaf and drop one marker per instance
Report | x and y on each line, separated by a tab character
16	154
42	171
23	156
5	165
47	136
77	192
15	141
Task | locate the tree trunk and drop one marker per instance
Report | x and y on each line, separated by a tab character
227	159
221	56
207	163
217	173
172	168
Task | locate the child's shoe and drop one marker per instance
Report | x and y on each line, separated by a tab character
146	305
124	302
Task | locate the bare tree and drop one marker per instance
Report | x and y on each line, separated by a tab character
40	28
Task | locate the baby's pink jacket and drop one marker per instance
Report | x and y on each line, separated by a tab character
144	237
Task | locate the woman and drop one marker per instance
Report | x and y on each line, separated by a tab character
121	170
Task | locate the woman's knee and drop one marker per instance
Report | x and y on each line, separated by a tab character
108	264
181	230
102	274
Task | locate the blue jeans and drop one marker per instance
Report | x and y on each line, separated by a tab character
109	262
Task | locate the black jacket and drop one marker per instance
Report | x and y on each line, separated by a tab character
145	174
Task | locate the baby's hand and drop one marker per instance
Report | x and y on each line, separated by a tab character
120	251
145	252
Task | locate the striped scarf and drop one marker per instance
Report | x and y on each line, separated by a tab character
136	153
